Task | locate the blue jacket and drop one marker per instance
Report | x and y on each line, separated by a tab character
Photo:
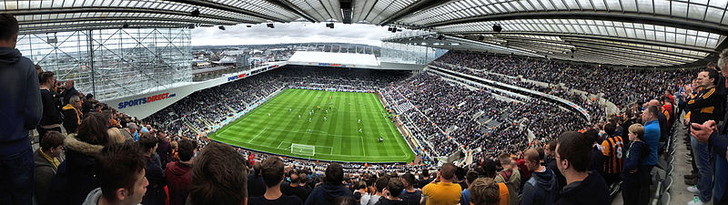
20	104
652	138
541	188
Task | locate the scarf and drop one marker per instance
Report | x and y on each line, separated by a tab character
53	160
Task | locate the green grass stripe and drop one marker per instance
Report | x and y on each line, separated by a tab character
273	128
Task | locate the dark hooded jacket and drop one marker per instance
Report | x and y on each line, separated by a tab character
593	191
541	188
20	102
179	181
77	175
325	194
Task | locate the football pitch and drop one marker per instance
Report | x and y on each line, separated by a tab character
319	125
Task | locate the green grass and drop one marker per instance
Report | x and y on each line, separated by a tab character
273	128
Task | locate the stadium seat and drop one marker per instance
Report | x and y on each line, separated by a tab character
666	185
665	199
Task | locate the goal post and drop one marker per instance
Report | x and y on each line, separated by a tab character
302	149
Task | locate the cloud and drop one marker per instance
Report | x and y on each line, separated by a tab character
295	32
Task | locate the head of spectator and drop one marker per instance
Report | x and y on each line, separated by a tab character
425	174
38	69
573	155
636	132
334	174
380	184
75	101
550	148
219	176
9	29
609	128
148	143
650	114
115	135
707	78
489	168
532	160
69	84
484	191
470	177
505	161
47	80
447	172
52	144
186	151
121	173
93	129
409	180
394	188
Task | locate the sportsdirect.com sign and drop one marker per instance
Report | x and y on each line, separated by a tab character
145	100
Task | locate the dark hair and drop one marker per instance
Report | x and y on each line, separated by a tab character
654	111
272	171
484	191
45	76
460	173
409	178
119	165
425	173
471	176
381	183
489	168
344	200
219	176
552	145
89	96
576	148
334	174
185	150
447	171
8	27
609	128
395	186
541	154
93	129
147	141
712	74
51	139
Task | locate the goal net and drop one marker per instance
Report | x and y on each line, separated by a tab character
302	149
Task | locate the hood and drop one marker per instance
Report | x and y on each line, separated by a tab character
334	191
82	147
9	55
93	197
545	179
178	169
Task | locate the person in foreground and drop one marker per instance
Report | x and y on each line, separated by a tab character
484	191
442	190
273	175
219	177
573	153
121	170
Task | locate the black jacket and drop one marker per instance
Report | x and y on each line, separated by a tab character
325	194
51	114
76	176
592	191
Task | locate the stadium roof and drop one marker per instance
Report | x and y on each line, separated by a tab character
655	32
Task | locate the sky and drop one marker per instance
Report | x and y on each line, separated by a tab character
295	32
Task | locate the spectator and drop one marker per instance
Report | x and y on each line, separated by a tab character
392	192
294	188
70	91
469	178
121	176
510	176
179	174
46	163
583	187
361	192
442	190
77	176
484	191
612	147
542	187
154	172
636	177
379	186
551	165
652	135
703	107
164	149
52	118
72	114
424	179
325	193
115	136
88	103
410	195
256	185
219	177
273	175
22	109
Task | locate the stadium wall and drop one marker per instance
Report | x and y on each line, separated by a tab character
146	104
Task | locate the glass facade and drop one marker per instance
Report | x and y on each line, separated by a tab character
114	63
